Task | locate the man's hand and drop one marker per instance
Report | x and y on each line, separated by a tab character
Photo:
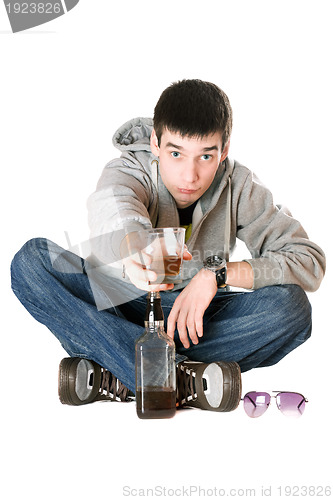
190	306
136	262
135	267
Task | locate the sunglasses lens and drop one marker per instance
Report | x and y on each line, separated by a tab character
291	404
256	403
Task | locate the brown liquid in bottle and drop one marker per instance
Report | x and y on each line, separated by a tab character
156	403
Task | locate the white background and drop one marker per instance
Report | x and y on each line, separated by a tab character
65	87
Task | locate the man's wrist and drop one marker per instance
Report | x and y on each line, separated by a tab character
240	274
208	276
218	267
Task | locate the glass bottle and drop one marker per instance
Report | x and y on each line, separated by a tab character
155	365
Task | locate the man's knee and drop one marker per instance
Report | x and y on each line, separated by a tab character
26	262
40	254
294	301
27	257
293	309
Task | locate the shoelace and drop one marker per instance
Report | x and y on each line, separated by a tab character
114	388
185	385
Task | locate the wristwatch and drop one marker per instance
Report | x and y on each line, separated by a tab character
217	265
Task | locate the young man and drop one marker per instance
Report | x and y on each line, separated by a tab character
175	171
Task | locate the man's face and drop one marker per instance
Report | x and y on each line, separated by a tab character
188	165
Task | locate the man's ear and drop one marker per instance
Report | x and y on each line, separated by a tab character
225	151
154	143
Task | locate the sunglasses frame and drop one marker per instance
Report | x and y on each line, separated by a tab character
274	394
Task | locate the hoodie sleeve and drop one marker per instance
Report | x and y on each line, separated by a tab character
280	248
118	206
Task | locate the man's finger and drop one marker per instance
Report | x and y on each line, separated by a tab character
192	332
199	323
160	288
171	324
187	255
182	330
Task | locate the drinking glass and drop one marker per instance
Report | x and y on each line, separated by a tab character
165	246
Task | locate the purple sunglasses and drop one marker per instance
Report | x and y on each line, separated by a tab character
289	403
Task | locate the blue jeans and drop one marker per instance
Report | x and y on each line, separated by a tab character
255	329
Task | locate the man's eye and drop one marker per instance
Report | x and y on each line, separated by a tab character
206	157
175	154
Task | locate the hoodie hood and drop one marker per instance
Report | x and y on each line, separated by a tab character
134	135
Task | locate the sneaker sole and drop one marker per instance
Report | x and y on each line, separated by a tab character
67	380
232	385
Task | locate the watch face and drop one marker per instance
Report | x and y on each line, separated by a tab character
214	261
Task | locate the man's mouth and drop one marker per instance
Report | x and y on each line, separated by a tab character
187	191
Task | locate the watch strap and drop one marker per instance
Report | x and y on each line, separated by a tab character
221	277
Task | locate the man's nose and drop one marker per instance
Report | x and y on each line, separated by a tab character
190	172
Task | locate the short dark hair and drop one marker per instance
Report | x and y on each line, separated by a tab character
193	108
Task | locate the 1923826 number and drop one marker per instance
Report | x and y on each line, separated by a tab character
301	491
33	8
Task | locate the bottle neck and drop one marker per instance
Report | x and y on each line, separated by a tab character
154	325
154	317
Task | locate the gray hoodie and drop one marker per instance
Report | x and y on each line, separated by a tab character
130	196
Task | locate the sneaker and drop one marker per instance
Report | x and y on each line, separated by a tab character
209	386
82	381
